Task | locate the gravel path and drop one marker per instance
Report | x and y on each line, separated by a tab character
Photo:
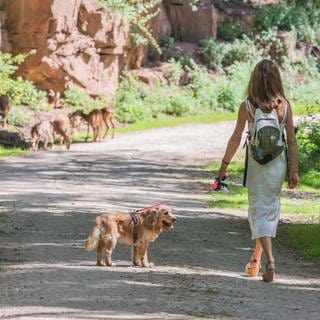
49	199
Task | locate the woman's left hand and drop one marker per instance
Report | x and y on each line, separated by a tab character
293	180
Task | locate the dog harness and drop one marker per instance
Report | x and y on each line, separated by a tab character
135	221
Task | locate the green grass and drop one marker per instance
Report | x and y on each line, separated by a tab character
291	204
299	107
166	121
305	238
7	152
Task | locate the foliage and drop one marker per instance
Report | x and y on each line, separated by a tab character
218	55
304	17
77	98
308	136
20	91
17	117
230	30
138	13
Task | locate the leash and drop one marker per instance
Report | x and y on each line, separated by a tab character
216	185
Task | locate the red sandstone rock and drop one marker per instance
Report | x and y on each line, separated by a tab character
76	42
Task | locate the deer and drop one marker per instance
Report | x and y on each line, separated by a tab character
5	106
107	116
96	119
62	127
42	130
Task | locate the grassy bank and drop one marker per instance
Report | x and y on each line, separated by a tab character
7	152
305	238
166	121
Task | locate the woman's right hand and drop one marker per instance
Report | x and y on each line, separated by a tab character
222	173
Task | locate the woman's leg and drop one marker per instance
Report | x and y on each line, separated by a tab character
270	268
267	248
256	255
253	267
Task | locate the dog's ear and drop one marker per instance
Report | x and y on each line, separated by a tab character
150	217
164	210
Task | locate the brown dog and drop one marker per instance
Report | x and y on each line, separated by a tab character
137	230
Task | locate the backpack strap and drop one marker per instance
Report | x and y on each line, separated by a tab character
285	115
249	109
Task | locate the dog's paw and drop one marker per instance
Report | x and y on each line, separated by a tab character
148	265
100	264
136	265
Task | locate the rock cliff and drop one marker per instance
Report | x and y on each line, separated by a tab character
70	42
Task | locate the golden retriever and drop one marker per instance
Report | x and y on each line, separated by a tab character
112	227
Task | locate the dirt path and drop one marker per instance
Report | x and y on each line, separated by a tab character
49	200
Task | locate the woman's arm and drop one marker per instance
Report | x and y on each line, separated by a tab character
293	150
234	141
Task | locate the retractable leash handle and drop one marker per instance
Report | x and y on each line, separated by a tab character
219	185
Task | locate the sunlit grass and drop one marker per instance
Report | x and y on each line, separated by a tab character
165	121
305	238
7	152
299	107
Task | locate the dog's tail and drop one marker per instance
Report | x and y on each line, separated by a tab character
93	238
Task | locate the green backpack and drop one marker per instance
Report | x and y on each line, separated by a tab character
267	141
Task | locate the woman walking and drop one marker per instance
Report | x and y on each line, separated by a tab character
265	97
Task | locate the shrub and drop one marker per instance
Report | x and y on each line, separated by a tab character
129	101
218	55
18	118
174	71
304	17
19	90
308	136
230	30
226	99
77	98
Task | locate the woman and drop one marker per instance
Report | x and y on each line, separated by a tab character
264	181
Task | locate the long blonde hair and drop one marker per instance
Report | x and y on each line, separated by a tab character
265	89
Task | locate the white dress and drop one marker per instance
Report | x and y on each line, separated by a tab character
264	182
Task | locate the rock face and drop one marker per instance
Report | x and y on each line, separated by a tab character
191	25
75	42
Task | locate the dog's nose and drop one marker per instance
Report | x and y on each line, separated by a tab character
174	219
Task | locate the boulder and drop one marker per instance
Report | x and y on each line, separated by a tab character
68	43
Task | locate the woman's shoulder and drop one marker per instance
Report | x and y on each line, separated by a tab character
282	108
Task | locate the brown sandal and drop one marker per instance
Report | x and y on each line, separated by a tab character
268	276
252	268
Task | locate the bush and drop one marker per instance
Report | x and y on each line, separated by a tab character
129	103
226	99
218	55
308	136
18	118
305	18
19	90
230	30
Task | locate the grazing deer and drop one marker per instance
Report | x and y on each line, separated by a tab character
62	127
5	106
42	130
107	116
95	119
